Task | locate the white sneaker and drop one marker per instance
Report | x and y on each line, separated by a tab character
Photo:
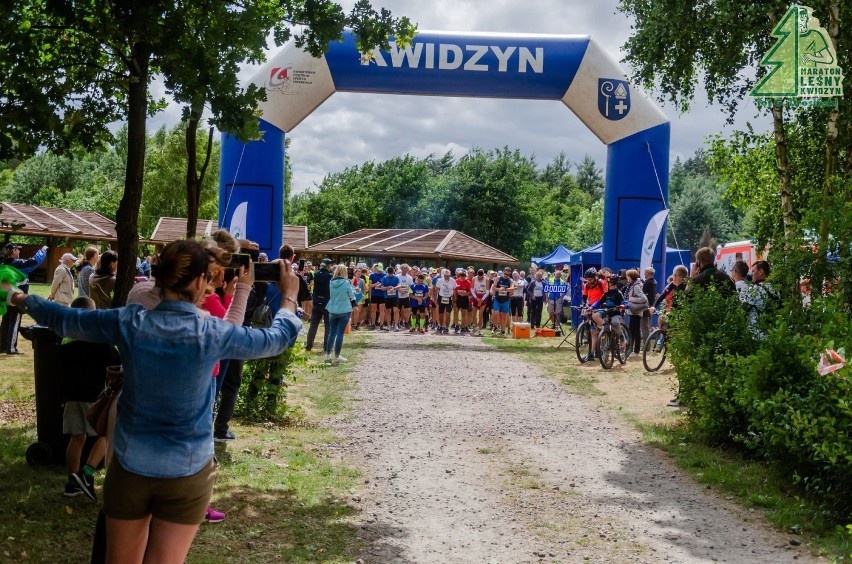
340	359
328	359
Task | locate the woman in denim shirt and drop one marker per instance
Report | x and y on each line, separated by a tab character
161	477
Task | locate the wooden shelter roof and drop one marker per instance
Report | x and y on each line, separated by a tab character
170	229
435	244
41	221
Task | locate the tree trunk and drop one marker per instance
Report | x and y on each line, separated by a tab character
844	235
192	185
195	177
781	166
830	153
127	216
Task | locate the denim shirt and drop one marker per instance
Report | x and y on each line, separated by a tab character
164	427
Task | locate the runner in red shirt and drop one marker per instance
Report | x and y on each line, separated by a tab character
593	290
464	288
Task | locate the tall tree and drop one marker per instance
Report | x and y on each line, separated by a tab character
556	170
166	163
590	177
490	198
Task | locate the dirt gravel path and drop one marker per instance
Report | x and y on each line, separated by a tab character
471	455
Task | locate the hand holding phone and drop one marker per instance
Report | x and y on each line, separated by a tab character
245	276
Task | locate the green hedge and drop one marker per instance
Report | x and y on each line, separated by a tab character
765	395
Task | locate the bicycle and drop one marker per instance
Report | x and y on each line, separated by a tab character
654	354
613	343
583	337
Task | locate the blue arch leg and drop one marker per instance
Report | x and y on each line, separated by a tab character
254	173
633	196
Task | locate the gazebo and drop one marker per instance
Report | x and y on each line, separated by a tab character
52	225
436	245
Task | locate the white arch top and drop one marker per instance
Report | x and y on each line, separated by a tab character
570	68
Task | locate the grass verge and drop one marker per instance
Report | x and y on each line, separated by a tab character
640	398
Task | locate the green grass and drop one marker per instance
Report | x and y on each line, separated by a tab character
17	380
524	477
284	491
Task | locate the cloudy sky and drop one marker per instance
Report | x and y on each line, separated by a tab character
349	129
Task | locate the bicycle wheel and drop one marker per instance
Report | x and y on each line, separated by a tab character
605	349
583	342
655	350
624	346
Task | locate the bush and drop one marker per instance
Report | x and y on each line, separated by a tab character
263	391
709	337
765	395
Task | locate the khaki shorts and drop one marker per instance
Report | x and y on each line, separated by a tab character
74	420
184	500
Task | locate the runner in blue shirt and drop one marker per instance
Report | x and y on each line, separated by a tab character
390	285
377	296
419	301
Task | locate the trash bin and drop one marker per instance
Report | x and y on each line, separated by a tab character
51	444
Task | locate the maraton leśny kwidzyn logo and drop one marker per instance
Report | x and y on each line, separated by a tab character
802	63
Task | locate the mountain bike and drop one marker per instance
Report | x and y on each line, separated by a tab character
583	336
614	338
654	354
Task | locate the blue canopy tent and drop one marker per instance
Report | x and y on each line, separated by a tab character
560	255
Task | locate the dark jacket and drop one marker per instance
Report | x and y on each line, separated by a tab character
101	288
710	276
671	287
304	290
26	266
322	280
649	287
530	288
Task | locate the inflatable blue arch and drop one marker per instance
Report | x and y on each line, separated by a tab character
570	68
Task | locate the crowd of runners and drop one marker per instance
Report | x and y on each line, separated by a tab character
469	301
465	301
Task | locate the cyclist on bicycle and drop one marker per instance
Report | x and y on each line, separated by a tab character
672	295
673	288
600	296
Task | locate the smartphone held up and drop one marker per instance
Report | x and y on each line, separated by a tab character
267	271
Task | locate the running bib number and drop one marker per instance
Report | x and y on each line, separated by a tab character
418	294
502	291
445	300
392	292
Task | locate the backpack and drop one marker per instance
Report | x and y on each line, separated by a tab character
262	316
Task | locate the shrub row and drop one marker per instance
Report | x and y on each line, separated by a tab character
765	394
